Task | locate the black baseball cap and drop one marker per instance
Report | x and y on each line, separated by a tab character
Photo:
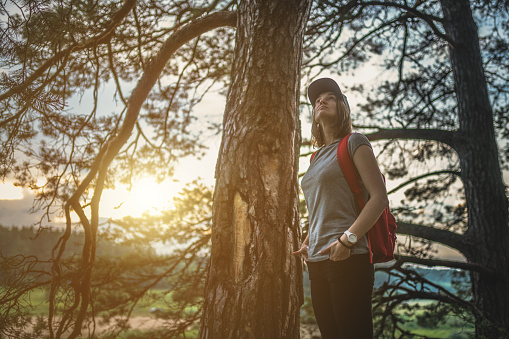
323	85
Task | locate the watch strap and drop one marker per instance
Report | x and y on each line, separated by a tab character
342	243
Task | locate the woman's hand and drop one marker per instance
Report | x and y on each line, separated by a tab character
304	251
337	251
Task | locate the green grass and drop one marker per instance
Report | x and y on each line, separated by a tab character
449	330
36	302
453	327
157	298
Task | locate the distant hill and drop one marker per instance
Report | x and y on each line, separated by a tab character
23	240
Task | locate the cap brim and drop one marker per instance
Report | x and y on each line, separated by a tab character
323	85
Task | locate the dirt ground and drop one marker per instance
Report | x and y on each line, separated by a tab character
307	331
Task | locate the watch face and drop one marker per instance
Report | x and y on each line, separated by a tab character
352	238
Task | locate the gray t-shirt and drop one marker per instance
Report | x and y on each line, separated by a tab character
332	206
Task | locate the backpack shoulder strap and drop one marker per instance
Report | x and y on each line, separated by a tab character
352	178
312	156
348	167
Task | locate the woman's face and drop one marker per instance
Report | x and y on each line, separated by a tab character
326	108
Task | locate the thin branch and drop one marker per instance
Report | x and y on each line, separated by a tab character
429	19
115	75
457	173
177	84
30	97
355	44
103	37
191	249
138	29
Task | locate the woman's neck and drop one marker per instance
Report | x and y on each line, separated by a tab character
328	135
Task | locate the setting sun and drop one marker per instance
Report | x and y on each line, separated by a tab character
146	195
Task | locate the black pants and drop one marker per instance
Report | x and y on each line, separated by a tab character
341	294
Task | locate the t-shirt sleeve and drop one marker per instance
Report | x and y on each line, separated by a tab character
356	140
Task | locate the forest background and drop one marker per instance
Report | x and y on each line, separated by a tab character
433	101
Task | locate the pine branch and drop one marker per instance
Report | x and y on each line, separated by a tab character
445	263
408	182
448	238
429	19
355	44
412	295
101	38
451	138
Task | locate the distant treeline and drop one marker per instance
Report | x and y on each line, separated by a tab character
26	241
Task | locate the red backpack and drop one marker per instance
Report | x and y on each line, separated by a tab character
382	236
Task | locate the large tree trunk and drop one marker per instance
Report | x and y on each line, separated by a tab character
488	229
254	285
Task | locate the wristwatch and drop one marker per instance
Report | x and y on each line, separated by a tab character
352	238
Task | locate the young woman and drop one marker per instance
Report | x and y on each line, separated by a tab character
336	248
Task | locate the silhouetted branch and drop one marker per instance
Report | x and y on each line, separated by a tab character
444	263
447	238
451	138
103	37
408	182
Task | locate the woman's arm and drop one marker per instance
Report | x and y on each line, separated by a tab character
366	165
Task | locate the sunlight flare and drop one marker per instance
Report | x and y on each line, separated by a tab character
146	196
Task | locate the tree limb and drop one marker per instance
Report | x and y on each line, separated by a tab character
412	295
451	138
445	263
448	238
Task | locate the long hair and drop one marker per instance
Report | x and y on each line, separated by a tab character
342	128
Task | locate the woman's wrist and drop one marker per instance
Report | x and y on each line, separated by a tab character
344	241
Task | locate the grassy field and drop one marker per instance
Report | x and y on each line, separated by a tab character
452	328
143	319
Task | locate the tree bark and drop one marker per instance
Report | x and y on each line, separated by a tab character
254	284
488	230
